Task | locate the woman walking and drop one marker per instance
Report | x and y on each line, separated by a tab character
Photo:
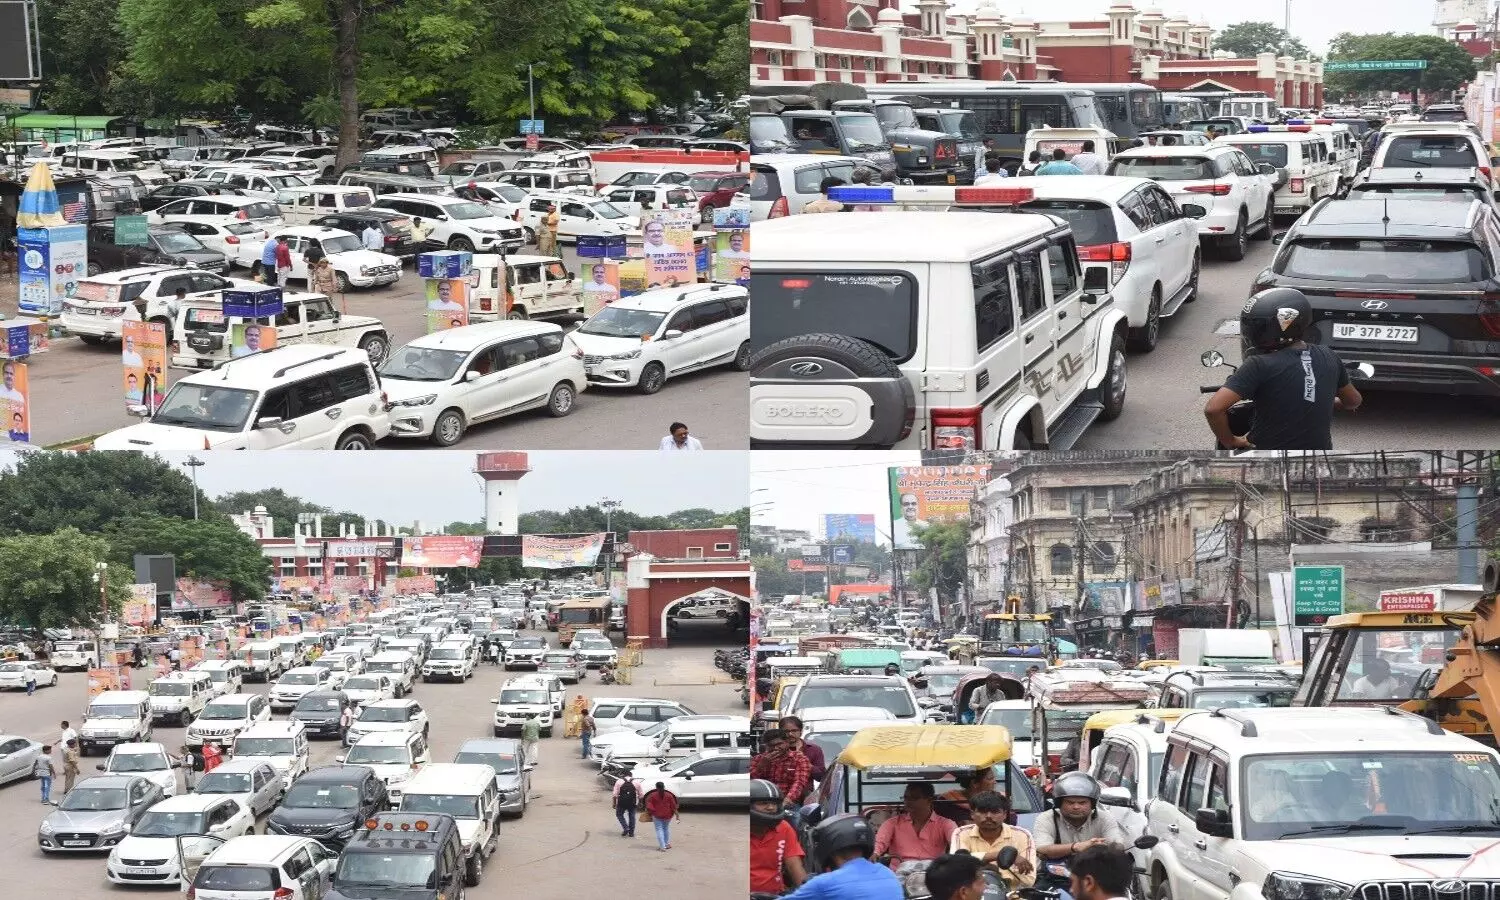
661	806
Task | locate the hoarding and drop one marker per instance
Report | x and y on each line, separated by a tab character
857	527
441	551
927	495
543	552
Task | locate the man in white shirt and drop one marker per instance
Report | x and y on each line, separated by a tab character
68	734
1376	683
130	357
904	530
1088	161
993	173
599	285
679	439
736	249
372	238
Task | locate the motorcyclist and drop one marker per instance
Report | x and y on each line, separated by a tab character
1075	822
1102	873
844	844
1295	385
775	852
955	876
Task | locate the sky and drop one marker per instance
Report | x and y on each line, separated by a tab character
793	489
1314	22
438	487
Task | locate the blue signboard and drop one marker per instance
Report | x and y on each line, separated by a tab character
445	264
533	126
591	246
614	247
703	258
849	526
253	304
843	555
52	262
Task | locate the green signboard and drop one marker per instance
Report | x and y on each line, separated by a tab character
1374	65
130	231
1317	594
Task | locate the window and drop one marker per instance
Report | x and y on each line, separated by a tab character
310	396
351	383
718	740
738	306
1062	559
1102	557
1218	788
608	711
1137	211
1161	206
1171	773
1029	285
1062	268
1057	499
318	309
994	311
1117	769
721	548
711	313
549	344
515	353
1197	784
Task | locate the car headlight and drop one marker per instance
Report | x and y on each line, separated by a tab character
112	831
633	354
1290	886
45	828
425	400
399	777
364	270
346	831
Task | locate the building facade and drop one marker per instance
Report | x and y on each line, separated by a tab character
688	543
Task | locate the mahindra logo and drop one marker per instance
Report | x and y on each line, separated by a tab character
806	369
1448	887
1375	305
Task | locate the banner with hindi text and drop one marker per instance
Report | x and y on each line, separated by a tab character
543	552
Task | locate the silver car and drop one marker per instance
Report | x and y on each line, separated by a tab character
512	772
97	813
254	783
564	664
18	756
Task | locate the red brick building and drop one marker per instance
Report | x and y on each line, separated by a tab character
687	543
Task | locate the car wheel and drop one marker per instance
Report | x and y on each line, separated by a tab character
1264	234
561	401
652	378
448	428
516	314
742	358
1194	276
1143	339
1112	391
377	346
185	718
94	268
342	280
461	244
1236	245
354	439
1164	890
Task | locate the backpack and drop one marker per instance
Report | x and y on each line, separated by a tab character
628	798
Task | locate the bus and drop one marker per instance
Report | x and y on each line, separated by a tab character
1179	108
571	615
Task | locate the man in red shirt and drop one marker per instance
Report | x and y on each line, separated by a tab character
779	764
918	833
775	852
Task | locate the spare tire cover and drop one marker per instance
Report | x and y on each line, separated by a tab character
835	383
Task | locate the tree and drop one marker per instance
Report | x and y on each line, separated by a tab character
728	69
283	509
87	491
944	564
1247	39
49	580
1448	65
212	550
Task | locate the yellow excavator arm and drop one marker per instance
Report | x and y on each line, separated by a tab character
1473	669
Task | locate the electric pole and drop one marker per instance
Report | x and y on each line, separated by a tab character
1236	566
1078	542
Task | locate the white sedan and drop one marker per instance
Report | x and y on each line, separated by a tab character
240	242
18	756
13	675
719	776
353	265
364	689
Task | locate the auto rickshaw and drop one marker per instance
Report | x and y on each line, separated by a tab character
963	692
870	776
1093	729
871	660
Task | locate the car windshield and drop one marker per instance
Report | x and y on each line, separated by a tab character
113	711
614	321
526	643
1465	193
170	241
1241	699
168	824
769	133
299	678
631	179
383	714
459	806
318	704
1092	222
362	683
13	667
304	795
260	746
423	364
391	871
469	210
223	783
138	762
378	755
502	763
86	799
891	697
266	210
1016	721
460	168
171	689
606	210
206	406
1385	260
343	243
223	711
942	684
1273	152
862	132
1339	793
447	653
878	307
1163	168
514	696
1424	151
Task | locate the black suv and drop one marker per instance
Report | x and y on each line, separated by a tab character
385	857
321	712
169	245
395	228
1454	185
329	804
1410	286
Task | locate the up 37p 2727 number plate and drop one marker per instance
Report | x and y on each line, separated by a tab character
1351	331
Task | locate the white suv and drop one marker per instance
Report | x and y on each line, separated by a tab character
309	319
1239	196
457	224
1433	145
97	308
576	215
1305	802
353	265
644	340
301	397
522	699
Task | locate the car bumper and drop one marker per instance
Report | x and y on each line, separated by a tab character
375	280
1289	204
93	326
122	874
521	663
938	176
613	372
411	424
85	744
1456	375
439	674
514	803
280	703
322	729
491	242
58	842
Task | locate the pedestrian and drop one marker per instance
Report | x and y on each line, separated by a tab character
346	718
372	239
175	655
586	732
68	734
626	797
136	654
322	279
212	757
495	653
546	236
678	439
1089	162
1059	165
661	806
268	261
283	260
993	172
531	736
44	770
419	232
70	765
1033	162
824	204
788	769
30	681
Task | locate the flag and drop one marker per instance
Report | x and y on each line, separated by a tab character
77	210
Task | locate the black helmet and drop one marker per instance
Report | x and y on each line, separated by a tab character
761	790
836	834
1274	318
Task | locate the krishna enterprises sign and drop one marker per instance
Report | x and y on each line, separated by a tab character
1374	65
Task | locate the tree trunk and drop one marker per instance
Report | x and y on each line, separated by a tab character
346	60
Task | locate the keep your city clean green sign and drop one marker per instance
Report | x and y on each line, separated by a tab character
1374	65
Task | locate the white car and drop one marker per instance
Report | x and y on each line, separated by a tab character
143	760
644	178
1239	197
227	675
257	211
226	716
1433	145
282	744
577	215
263	183
240	242
635	200
441	384
296	684
13	675
644	340
97	308
148	854
594	652
395	756
340	666
18	756
322	156
403	716
363	689
457	224
719	776
253	783
353	265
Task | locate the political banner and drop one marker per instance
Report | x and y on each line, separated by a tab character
602	287
246	338
101	680
23	338
731	217
858	527
441	551
52	262
344	585
295	583
732	256
416	584
140	608
352	549
143	353
193	594
668	248
543	552
924	495
192	653
15	393
447	303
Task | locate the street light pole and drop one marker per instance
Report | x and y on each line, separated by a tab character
193	462
609	506
531	85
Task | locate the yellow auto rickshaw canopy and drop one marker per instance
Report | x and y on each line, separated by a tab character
935	746
1147	665
1111	717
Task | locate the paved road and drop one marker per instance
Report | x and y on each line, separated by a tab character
567	844
76	393
1163	408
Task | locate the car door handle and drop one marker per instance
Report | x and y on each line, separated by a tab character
287	427
1062	315
1201	845
1160	240
1173	828
333	412
1030	338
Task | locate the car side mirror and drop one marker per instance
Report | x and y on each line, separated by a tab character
1265	168
473	375
1090	299
494	699
99	767
1117	796
672	333
340	758
688	775
138	410
1211	359
528	767
1214	822
268	422
1193	211
1278	238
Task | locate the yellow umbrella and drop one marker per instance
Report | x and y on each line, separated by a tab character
39	206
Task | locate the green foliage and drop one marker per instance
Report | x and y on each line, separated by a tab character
207	550
1247	39
50	491
283	510
1448	65
774	579
48	580
944	561
729	68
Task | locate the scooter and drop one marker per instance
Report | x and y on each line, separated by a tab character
1242	414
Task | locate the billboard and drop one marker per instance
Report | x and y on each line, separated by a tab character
441	551
192	594
927	495
542	552
857	527
18	62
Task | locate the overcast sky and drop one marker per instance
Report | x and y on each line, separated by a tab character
1314	22
438	487
793	489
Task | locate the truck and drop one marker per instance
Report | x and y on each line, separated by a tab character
961	125
922	156
1229	648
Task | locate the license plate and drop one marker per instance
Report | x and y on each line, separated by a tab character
1349	331
1287	210
83	311
75	843
137	870
953	179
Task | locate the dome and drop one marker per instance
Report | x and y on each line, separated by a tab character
890	16
1022	22
987	12
1154	11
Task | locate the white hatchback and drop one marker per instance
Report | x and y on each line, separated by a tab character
644	340
143	760
240	242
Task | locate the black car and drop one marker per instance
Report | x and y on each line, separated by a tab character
395	228
189	188
1406	285
416	856
321	712
1453	185
329	804
1444	112
166	245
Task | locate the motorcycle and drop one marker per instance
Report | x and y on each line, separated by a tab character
1242	414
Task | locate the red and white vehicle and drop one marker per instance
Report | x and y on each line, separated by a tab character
611	164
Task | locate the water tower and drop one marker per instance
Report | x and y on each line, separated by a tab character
502	473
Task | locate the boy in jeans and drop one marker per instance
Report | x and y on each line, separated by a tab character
44	771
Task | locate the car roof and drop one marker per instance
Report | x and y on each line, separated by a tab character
140	747
1388	217
120	696
392	704
1174	150
187	803
302	670
1438	175
318	231
108	781
468	338
1085	187
364	212
437	198
237	698
489	745
337	774
1322	730
252	849
231	199
243	764
283	728
896	236
266	366
386	738
137	272
668	299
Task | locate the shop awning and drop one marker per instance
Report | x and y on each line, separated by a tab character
52	120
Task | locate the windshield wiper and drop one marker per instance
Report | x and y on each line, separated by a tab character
1462	829
1344	828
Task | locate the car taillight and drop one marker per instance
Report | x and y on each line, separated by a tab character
1489	314
1218	190
1054	760
391	239
780	208
283	893
231	239
957	429
1485	171
1296	185
1116	254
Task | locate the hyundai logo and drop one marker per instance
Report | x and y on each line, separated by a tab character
806	369
1374	304
1449	887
